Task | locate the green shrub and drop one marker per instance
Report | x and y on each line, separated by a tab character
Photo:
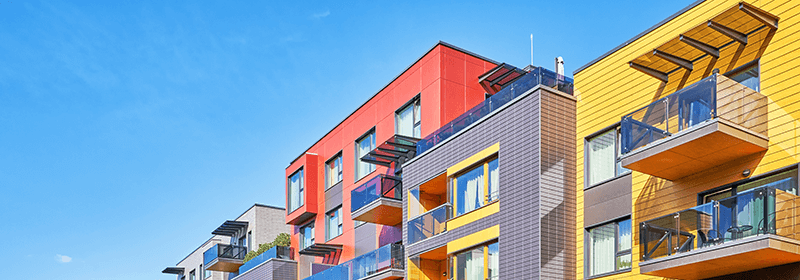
282	239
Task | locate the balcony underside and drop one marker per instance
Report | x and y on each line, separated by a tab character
739	256
388	274
383	211
711	144
224	264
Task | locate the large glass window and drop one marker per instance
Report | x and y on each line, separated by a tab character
364	145
474	189
333	170
333	223
207	274
191	275
603	157
407	120
609	247
470	264
295	190
307	236
785	181
747	75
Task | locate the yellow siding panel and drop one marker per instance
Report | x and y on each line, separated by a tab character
475	215
474	239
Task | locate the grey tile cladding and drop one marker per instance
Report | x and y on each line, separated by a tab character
537	194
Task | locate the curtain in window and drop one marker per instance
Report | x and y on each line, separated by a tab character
494	261
294	195
470	265
602	249
494	180
405	121
601	157
418	121
470	190
364	147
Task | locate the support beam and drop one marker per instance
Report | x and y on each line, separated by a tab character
501	78
703	47
760	15
686	64
650	71
727	31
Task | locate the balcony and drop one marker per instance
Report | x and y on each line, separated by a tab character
755	229
222	257
378	201
535	76
708	123
429	224
277	252
386	262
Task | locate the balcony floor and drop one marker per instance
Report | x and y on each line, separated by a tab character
383	211
388	274
733	257
710	144
225	265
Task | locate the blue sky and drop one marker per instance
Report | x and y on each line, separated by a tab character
131	130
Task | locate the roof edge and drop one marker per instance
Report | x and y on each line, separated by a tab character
442	43
640	35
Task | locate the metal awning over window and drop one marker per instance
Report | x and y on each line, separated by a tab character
173	270
321	250
397	149
747	28
231	228
498	77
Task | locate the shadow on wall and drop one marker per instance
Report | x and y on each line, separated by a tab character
389	235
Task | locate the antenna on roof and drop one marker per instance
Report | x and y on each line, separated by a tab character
531	49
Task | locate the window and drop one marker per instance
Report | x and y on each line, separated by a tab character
333	223
473	189
603	157
249	241
333	170
364	145
469	265
207	274
747	75
785	181
307	235
407	120
295	190
191	275
609	248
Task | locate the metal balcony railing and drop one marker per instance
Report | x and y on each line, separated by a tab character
714	97
380	186
758	211
429	223
224	251
277	252
387	257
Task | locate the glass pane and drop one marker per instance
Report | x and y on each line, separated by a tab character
624	236
786	181
413	203
405	121
469	265
601	258
469	190
624	261
365	145
295	191
620	170
494	180
747	77
602	157
494	261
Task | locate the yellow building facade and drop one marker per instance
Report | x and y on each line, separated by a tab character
704	109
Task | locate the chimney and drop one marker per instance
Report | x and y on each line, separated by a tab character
560	66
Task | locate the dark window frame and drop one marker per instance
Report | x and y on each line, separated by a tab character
618	156
738	70
415	101
732	186
337	156
587	246
303	234
357	160
339	225
301	190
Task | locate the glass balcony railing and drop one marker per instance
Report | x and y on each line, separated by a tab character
375	188
224	251
429	224
387	257
758	211
277	252
714	97
537	76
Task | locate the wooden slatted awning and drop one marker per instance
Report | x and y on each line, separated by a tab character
743	24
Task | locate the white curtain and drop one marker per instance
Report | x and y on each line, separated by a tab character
405	122
474	195
602	250
294	188
494	261
364	147
474	265
602	157
494	180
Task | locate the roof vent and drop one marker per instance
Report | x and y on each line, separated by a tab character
560	66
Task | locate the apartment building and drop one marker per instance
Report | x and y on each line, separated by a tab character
221	257
344	193
687	148
491	194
